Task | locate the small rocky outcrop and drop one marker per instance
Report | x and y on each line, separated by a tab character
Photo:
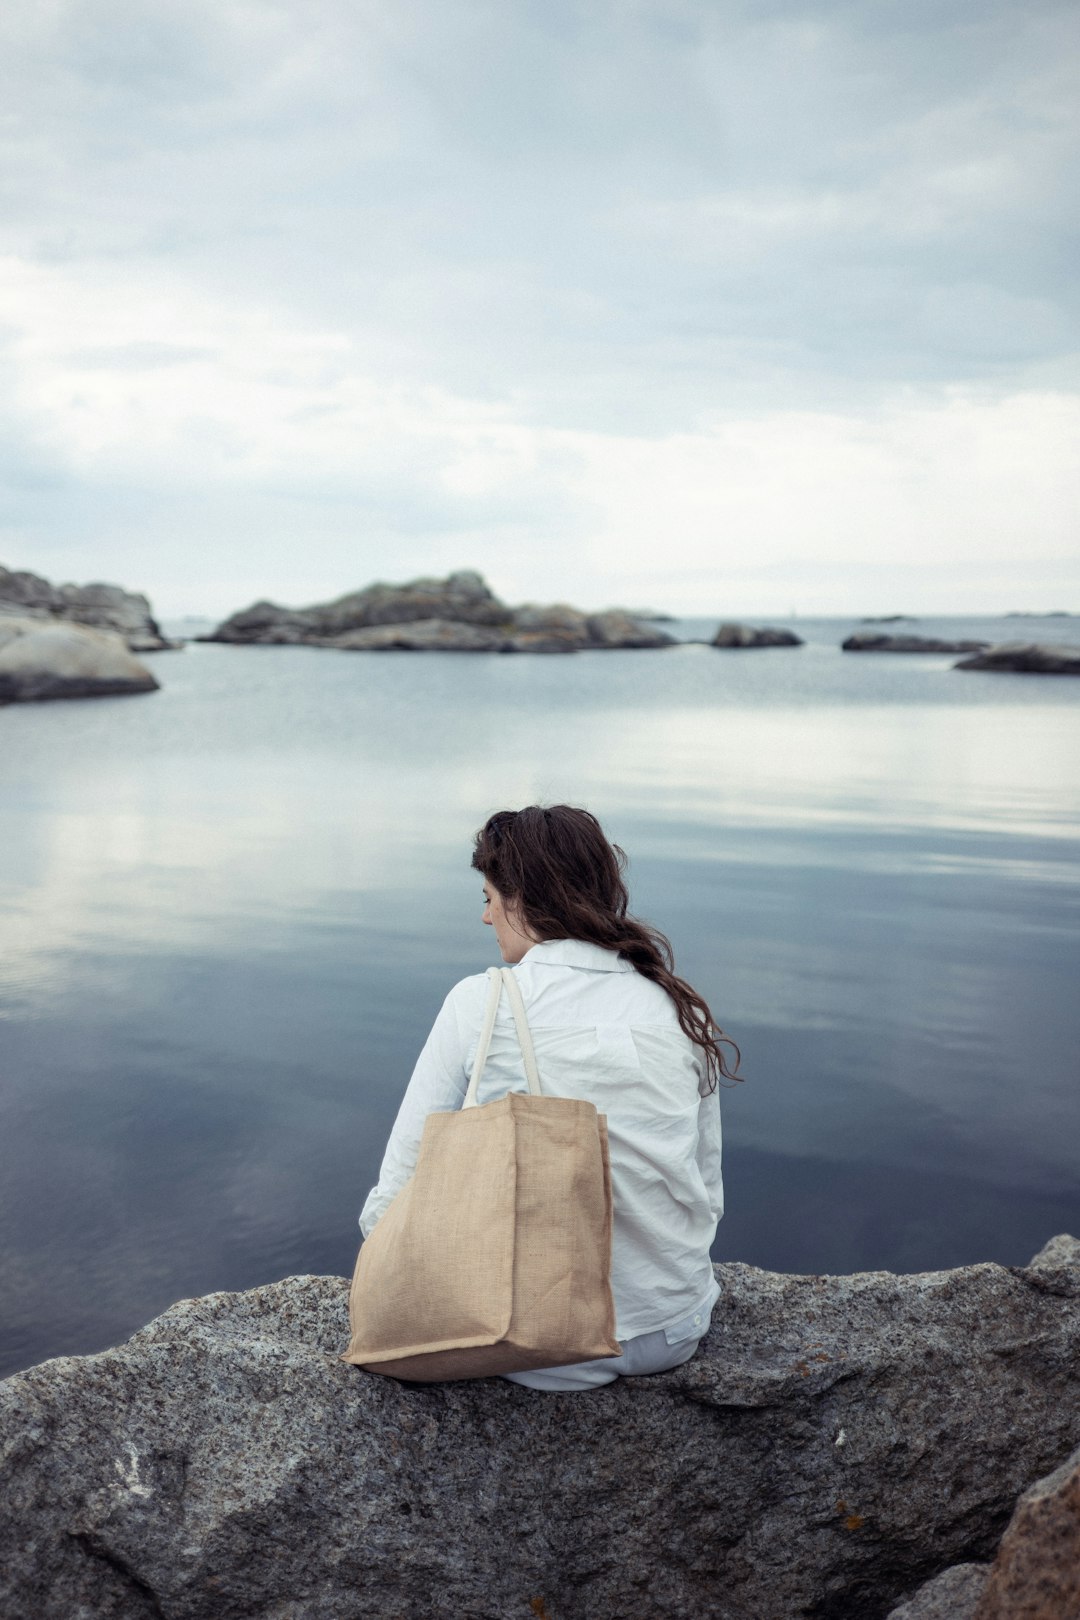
835	1443
1026	658
1036	1573
42	658
103	607
748	635
617	629
456	614
949	1596
874	641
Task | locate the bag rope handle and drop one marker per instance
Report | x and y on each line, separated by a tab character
500	978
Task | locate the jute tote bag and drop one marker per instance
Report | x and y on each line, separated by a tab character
496	1256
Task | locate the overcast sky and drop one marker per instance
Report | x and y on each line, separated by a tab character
717	307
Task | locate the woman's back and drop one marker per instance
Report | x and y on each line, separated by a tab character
606	1034
612	1025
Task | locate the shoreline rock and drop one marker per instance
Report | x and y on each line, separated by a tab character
835	1443
1026	658
456	614
102	607
874	641
43	659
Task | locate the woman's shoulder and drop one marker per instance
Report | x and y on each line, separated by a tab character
466	999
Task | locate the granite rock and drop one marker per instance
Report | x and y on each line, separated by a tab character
835	1442
749	635
456	614
103	607
1026	658
43	658
1036	1574
874	641
952	1595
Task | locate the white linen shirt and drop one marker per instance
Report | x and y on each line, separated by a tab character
604	1033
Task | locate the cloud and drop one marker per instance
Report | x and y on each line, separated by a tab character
436	285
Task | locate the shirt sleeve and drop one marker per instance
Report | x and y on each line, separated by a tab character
710	1150
438	1085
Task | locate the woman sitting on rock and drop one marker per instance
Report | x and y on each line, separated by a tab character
613	1025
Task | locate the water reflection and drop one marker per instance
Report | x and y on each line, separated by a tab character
234	910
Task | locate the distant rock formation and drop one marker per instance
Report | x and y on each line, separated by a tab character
1027	658
104	607
748	635
872	641
835	1442
887	618
43	658
456	614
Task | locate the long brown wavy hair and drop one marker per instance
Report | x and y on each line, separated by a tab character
558	874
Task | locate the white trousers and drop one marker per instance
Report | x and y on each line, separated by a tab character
648	1353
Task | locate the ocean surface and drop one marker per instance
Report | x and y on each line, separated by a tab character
232	909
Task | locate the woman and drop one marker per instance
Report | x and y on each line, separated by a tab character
613	1025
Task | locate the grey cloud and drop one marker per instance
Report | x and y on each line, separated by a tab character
620	217
137	356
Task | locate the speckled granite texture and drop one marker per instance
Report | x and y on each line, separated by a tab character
836	1442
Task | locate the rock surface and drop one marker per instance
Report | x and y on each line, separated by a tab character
1036	1574
42	658
952	1595
748	635
835	1442
421	635
103	607
456	614
1027	658
875	641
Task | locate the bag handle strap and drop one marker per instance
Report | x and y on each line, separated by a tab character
500	978
524	1034
484	1043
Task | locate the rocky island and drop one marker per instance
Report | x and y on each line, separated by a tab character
73	641
749	635
44	659
836	1443
102	607
1026	658
877	641
456	614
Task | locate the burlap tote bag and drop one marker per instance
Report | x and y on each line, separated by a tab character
496	1256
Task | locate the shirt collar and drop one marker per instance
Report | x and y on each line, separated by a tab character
576	953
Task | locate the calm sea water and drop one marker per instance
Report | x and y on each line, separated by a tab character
231	911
